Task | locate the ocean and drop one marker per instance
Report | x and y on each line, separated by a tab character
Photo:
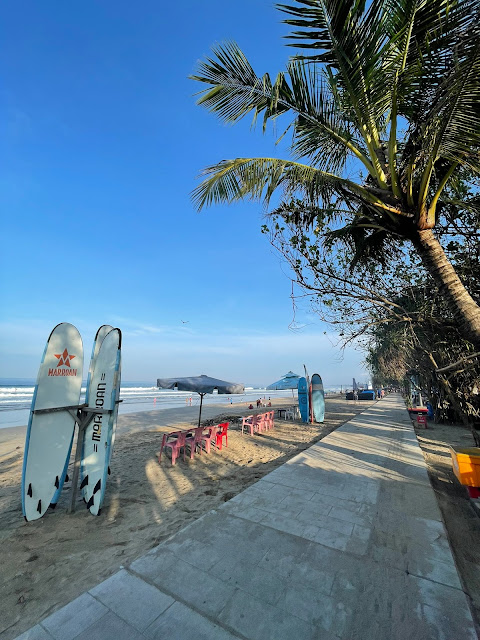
16	397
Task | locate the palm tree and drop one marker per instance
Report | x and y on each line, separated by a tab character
389	86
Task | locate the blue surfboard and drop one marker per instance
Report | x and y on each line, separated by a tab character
318	398
303	398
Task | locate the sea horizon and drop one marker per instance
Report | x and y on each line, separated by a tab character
142	395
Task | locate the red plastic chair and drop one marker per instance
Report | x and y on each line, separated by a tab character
247	423
222	433
209	436
193	439
175	444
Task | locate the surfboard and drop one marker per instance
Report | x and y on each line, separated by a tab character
99	336
303	398
97	438
318	398
50	435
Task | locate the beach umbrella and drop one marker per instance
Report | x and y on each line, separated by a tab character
288	381
201	384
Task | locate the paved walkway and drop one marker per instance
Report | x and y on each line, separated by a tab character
343	541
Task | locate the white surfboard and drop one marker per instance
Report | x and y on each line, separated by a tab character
97	439
99	336
50	435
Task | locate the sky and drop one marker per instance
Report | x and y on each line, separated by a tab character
102	144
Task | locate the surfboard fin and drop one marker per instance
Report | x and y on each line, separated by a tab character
67	478
97	487
84	482
109	472
39	506
53	505
90	503
30	492
57	482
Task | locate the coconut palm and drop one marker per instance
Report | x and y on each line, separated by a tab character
389	86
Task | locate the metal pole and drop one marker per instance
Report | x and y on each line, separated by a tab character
76	465
200	412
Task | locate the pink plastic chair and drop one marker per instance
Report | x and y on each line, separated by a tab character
173	441
269	419
259	423
247	423
209	436
193	439
222	433
272	419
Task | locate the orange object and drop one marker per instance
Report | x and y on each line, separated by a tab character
466	465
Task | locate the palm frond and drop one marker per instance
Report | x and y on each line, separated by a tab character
259	178
452	127
235	91
421	36
347	37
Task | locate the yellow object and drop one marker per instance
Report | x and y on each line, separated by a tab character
466	465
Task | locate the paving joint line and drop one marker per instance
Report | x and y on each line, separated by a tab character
187	604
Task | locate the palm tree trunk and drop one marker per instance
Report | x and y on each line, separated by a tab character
463	307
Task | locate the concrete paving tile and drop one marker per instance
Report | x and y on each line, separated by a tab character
441	626
110	627
409	526
259	621
438	596
293	502
69	621
350	515
132	599
274	506
412	499
281	523
318	578
310	515
248	513
181	623
288	552
320	610
35	633
200	554
331	539
159	560
434	570
257	581
203	591
362	533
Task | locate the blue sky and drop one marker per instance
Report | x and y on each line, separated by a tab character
102	143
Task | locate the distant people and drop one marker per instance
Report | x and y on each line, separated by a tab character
250	406
231	400
355	395
259	402
269	404
190	401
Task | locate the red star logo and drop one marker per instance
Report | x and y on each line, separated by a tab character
64	358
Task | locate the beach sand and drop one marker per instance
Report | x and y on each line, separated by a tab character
46	563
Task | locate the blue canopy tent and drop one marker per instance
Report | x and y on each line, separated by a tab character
288	381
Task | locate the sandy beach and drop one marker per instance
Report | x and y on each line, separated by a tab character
47	563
